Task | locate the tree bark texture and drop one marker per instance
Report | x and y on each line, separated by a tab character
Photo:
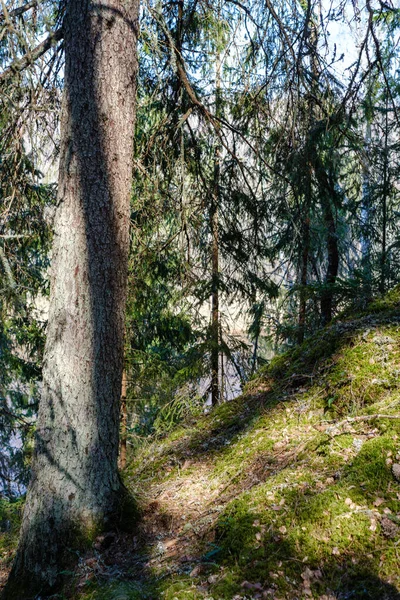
75	487
123	446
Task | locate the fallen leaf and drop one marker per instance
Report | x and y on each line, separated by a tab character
379	501
283	529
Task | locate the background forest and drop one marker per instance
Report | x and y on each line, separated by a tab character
265	199
259	441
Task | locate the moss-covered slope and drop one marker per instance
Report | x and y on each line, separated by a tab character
286	492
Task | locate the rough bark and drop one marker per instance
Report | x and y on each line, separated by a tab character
75	488
124	423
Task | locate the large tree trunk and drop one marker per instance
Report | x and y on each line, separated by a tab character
75	487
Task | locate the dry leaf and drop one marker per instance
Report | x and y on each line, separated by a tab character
379	501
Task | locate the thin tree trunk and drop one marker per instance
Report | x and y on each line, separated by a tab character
214	307
75	488
333	263
305	242
303	279
366	219
385	194
215	200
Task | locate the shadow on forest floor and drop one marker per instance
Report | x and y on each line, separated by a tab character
277	494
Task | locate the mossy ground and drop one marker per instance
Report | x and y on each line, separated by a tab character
286	492
10	520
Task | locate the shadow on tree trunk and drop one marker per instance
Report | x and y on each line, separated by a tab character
75	489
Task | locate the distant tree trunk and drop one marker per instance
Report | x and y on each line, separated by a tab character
366	206
385	195
333	263
215	201
215	309
328	194
75	488
305	251
312	24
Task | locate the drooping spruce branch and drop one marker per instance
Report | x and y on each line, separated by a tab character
30	57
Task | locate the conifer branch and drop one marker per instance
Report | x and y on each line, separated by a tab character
30	57
17	12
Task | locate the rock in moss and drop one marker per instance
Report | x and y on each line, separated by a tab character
389	529
396	471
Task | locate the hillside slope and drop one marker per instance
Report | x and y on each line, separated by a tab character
290	491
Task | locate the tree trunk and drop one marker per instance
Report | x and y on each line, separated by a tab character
75	488
366	210
214	308
305	251
215	201
328	193
308	189
333	263
385	196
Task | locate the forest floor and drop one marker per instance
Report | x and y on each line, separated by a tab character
291	491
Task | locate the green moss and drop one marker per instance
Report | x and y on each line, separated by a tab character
115	591
389	302
180	588
10	522
297	490
370	468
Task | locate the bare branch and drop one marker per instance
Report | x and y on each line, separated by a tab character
31	56
17	12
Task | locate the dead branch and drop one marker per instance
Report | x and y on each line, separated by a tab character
30	57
